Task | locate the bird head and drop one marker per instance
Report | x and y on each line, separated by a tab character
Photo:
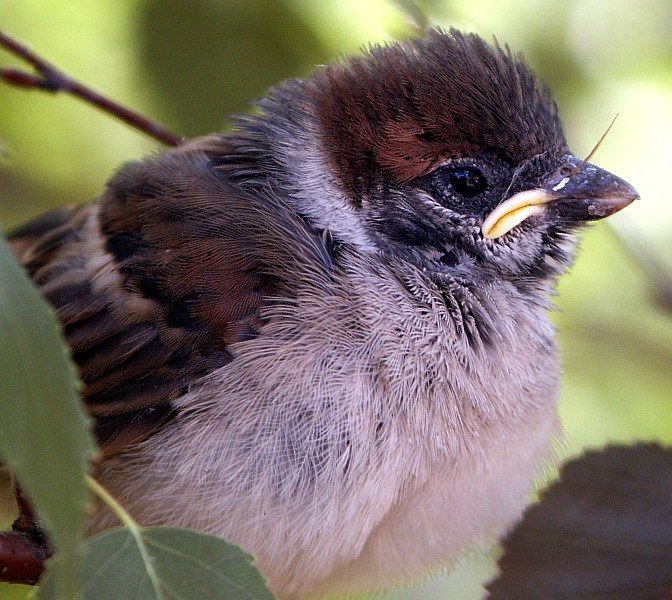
451	153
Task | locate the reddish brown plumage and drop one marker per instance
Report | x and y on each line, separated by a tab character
406	108
184	280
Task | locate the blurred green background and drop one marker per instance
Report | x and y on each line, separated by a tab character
191	63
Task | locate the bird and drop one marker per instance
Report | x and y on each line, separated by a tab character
324	333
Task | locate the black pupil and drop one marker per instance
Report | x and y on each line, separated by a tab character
467	181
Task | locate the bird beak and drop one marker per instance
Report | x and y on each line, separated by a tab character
585	194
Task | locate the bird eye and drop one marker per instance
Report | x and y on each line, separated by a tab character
458	186
467	181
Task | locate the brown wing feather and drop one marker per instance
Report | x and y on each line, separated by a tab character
155	281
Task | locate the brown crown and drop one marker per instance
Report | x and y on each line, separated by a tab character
404	108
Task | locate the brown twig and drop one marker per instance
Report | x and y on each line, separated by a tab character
416	16
25	522
51	79
22	558
24	550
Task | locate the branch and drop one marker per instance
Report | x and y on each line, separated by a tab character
24	550
21	557
51	79
25	522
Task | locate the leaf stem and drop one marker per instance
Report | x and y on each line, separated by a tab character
134	529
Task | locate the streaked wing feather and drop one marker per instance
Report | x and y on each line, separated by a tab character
155	281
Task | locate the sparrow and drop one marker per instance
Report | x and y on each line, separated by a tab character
324	333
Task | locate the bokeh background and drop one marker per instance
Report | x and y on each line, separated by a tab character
191	63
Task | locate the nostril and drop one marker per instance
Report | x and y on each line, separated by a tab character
566	170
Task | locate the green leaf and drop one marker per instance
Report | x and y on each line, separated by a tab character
167	563
44	434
